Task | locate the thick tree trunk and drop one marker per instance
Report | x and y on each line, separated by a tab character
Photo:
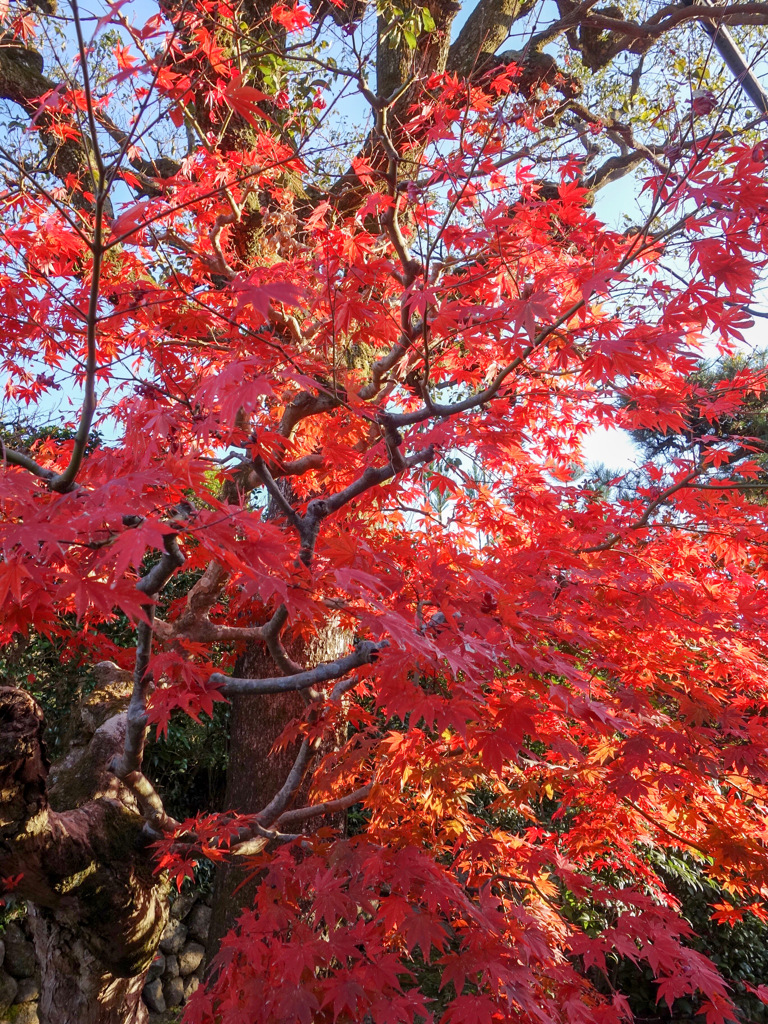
254	774
75	986
97	908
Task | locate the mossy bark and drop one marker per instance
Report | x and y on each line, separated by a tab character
97	908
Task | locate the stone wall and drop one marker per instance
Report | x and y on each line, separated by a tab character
19	976
176	971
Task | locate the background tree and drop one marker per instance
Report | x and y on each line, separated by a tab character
298	341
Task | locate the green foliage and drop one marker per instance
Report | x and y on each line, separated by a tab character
750	420
23	434
189	767
739	951
405	25
45	667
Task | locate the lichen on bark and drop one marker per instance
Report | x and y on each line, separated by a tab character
97	907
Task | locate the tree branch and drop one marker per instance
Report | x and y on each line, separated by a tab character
281	799
150	804
296	467
22	81
484	31
276	494
13	458
659	500
327	807
64	481
321	508
271	636
136	731
304	405
365	653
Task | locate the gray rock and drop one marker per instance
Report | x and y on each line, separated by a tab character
25	1013
156	968
171	967
182	905
191	984
153	996
20	959
199	922
29	989
190	958
173	991
8	988
174	936
2	952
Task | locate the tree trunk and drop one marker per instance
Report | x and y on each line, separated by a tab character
97	908
76	988
254	775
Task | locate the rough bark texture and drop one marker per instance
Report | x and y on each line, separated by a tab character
485	30
399	64
97	908
254	774
76	988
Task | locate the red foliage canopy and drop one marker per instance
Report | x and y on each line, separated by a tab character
548	678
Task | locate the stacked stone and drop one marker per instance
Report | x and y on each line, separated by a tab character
19	976
177	970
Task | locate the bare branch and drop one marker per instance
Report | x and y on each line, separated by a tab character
343	686
281	799
254	838
297	467
171	560
304	405
364	654
375	476
150	804
271	636
484	31
638	524
204	631
615	167
14	458
672	15
207	590
194	621
328	807
136	729
260	837
383	365
23	82
321	508
64	481
276	494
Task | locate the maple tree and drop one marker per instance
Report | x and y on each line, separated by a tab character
342	387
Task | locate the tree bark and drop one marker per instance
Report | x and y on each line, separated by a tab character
76	988
254	774
97	907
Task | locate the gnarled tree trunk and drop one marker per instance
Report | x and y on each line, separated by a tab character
97	908
78	987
